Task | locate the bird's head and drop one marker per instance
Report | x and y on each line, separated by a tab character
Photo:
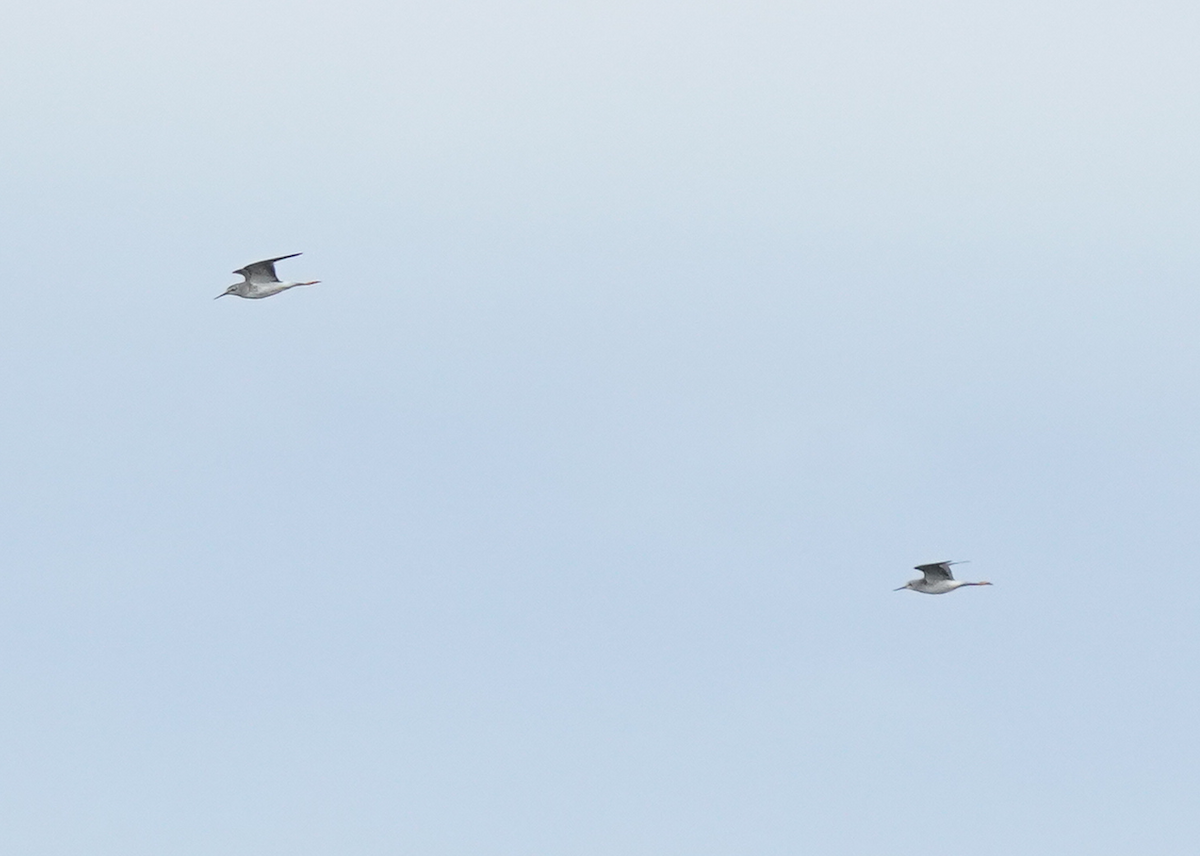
231	290
907	585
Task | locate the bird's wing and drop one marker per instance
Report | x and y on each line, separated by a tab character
263	271
936	571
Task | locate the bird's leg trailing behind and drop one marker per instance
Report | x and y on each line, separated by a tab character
284	286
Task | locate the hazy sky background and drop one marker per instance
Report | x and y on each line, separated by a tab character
656	342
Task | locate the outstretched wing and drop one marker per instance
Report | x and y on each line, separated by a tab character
263	271
936	571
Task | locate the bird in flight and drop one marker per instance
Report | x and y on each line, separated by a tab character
259	280
937	579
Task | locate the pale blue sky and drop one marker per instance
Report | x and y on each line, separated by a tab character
655	343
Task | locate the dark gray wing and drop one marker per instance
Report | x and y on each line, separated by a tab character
936	571
263	271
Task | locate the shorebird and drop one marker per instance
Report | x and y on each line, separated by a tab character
259	280
937	579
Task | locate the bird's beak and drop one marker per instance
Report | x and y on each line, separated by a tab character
222	294
902	588
985	583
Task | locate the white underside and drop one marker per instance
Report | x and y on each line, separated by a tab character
940	587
